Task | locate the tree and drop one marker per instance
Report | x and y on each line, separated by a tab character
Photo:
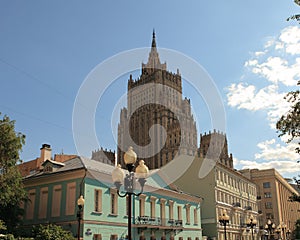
2	225
296	16
52	232
289	124
12	192
297	229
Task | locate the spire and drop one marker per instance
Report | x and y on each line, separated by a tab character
153	39
153	59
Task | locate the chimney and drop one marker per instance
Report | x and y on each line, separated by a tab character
45	152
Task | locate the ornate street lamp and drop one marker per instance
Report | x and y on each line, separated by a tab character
80	204
288	233
224	220
283	228
278	231
252	223
129	180
270	227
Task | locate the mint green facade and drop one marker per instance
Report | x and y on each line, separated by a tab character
159	213
157	226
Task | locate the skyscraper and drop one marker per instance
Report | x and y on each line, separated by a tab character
157	120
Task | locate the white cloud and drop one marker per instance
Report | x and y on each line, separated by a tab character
277	66
278	61
269	74
285	168
243	96
290	37
270	150
259	53
276	70
280	156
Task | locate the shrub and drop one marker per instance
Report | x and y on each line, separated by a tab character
52	232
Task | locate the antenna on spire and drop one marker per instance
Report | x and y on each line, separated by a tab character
153	39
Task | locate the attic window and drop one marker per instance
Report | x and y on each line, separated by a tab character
48	168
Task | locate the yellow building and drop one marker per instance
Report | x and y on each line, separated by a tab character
274	192
222	188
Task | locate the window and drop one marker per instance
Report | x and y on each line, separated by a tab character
268	195
266	185
268	205
127	205
97	237
43	202
162	209
48	168
114	237
179	212
113	202
70	199
98	200
142	204
187	213
56	201
152	207
171	210
195	216
30	204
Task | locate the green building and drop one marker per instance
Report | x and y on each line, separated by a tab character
158	213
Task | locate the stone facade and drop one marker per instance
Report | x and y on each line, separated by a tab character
214	145
105	156
155	98
223	188
273	194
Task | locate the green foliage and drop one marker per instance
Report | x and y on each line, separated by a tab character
289	124
12	192
297	229
7	237
52	232
294	198
2	225
296	16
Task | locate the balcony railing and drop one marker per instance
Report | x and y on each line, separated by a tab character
157	221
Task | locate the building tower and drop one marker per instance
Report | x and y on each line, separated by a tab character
217	141
156	98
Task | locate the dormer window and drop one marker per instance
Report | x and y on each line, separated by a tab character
51	166
48	168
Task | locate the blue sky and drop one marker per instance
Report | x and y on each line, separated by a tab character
47	49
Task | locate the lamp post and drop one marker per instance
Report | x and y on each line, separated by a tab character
80	204
278	231
129	180
270	227
251	223
284	231
288	233
283	228
224	220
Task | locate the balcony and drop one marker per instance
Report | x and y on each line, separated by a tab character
236	204
144	221
249	208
